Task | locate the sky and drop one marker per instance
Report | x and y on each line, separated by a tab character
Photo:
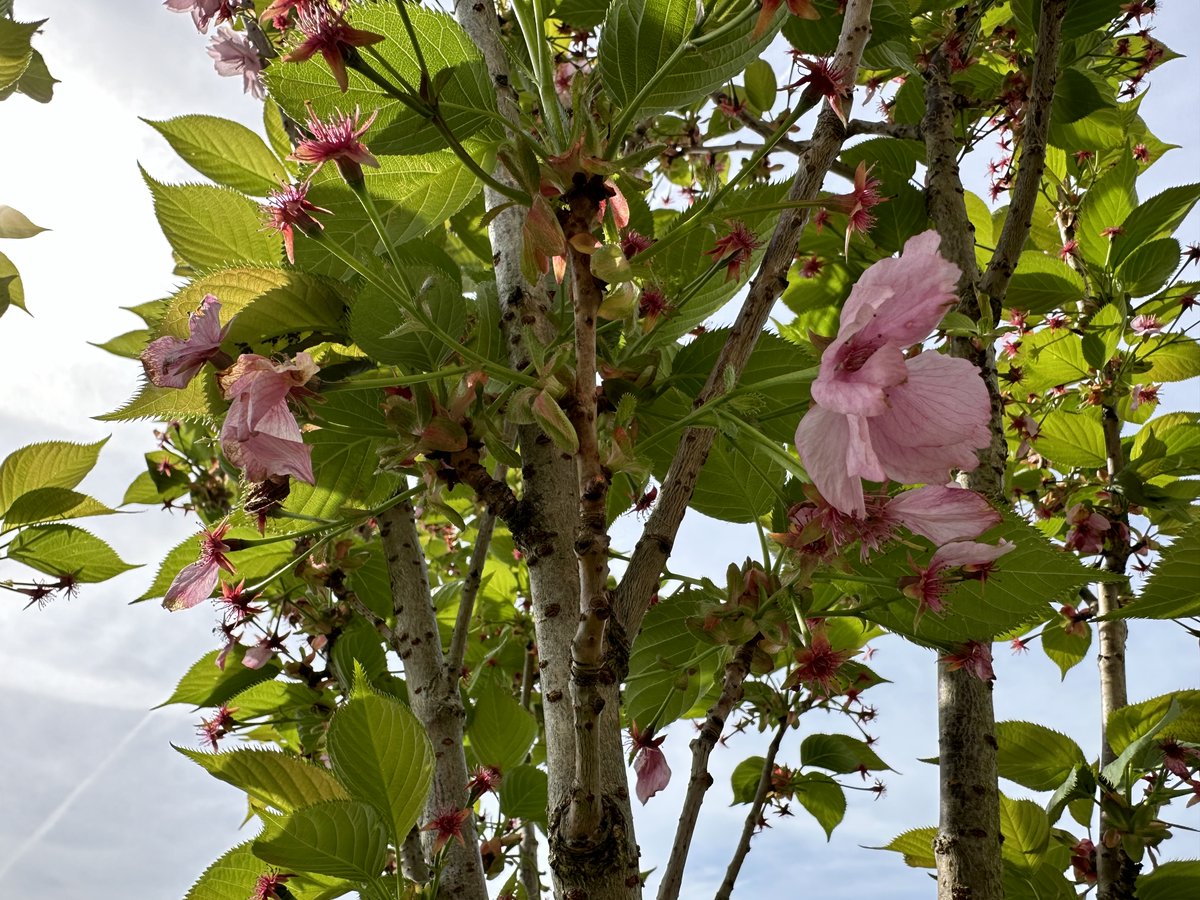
92	798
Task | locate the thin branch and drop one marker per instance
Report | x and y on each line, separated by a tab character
654	546
797	148
470	588
902	130
433	694
412	859
528	852
1034	132
754	816
700	781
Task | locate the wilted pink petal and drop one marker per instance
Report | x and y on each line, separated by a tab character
943	513
653	773
260	434
233	54
173	362
973	656
618	204
194	583
203	11
970	555
259	655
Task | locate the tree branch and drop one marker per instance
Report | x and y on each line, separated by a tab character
901	130
433	695
589	666
700	781
654	547
1034	132
470	588
754	816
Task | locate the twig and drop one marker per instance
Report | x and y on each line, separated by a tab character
902	130
1034	132
700	781
470	588
654	546
754	816
433	695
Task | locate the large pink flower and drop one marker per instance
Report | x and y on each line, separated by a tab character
879	415
260	434
173	362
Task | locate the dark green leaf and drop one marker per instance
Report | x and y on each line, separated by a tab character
823	798
1169	880
523	794
500	731
839	753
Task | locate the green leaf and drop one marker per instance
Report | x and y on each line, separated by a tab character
1082	18
745	778
1149	267
359	642
501	731
465	92
207	685
1102	336
286	783
639	38
917	847
1169	880
379	751
227	152
1130	731
274	699
1035	756
259	303
1072	439
36	82
761	86
893	162
524	794
582	13
1042	283
1079	785
377	315
1026	831
1065	650
343	838
14	224
345	457
823	797
200	401
839	753
899	219
15	49
1173	589
670	668
1171	358
128	345
1076	96
1135	722
67	550
1157	217
234	875
51	504
1168	445
12	291
209	227
46	464
1106	204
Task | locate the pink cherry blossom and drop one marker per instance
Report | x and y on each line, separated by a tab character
943	513
194	583
650	764
233	54
203	11
878	415
1088	530
324	30
173	362
931	584
260	434
336	140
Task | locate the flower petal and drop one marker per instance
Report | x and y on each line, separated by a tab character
653	773
943	513
194	584
902	299
938	419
